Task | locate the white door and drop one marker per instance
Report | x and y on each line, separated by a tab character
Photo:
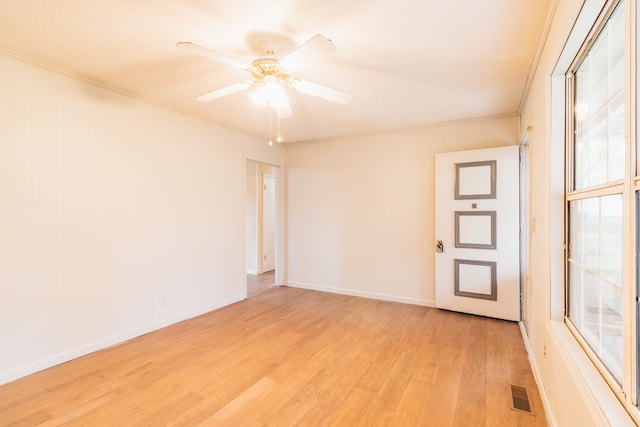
477	222
268	222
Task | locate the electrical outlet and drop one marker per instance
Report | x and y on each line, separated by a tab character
165	299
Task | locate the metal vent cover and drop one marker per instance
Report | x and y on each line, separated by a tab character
520	398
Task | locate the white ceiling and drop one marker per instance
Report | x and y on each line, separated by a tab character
409	63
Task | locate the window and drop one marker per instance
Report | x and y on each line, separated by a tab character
595	276
599	265
599	144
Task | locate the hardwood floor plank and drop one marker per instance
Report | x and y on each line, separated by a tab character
353	408
452	333
292	357
292	375
31	419
412	410
258	283
324	393
385	404
471	401
82	410
232	412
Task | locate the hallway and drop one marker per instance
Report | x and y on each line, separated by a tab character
258	283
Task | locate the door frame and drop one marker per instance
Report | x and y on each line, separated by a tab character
279	222
525	254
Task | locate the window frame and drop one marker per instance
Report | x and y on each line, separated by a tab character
628	388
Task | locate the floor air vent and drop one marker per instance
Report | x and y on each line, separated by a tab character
520	398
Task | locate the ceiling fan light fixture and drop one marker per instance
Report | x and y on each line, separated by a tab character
269	93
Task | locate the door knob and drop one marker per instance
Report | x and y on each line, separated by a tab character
439	246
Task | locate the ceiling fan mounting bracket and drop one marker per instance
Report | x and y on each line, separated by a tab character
269	48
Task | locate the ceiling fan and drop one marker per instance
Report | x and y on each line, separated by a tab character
271	74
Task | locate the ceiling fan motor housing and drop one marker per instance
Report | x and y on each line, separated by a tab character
262	67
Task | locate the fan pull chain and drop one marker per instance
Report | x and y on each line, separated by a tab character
278	136
270	131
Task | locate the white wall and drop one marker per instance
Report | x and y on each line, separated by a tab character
360	211
252	217
574	393
116	216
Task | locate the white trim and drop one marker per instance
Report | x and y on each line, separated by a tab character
526	137
280	212
586	377
548	410
280	225
363	294
542	44
604	407
49	362
259	271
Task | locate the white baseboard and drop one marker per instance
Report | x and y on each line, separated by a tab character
363	294
57	359
259	271
551	420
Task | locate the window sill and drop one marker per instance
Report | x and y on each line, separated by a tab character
605	408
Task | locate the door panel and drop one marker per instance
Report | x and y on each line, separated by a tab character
268	222
477	220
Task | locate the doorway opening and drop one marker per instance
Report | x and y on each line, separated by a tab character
261	226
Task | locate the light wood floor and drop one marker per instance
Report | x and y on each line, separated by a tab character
258	283
292	357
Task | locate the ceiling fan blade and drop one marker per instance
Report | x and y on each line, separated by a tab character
219	93
283	109
307	53
321	91
207	53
